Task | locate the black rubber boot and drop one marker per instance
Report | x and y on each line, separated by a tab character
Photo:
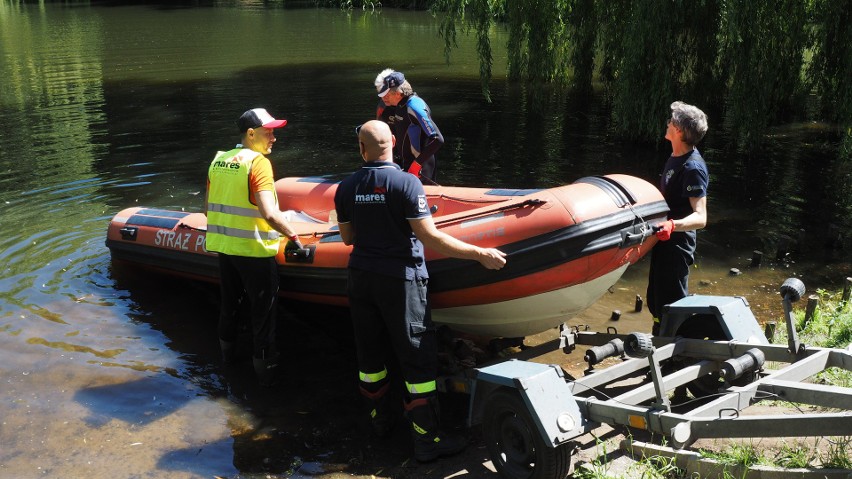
228	349
378	406
430	442
266	370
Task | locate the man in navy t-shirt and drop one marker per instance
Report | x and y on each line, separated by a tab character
383	213
684	185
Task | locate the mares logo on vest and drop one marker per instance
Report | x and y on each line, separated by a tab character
234	164
377	197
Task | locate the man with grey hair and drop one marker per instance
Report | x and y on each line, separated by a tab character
417	136
684	183
380	78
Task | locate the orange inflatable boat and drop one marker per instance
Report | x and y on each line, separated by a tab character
566	246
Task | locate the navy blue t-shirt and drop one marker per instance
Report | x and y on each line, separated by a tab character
684	177
378	200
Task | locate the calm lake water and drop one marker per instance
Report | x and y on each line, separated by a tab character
107	373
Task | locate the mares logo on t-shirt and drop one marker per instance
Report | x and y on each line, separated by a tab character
378	196
422	205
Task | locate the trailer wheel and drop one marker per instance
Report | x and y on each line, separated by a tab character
792	289
638	345
515	444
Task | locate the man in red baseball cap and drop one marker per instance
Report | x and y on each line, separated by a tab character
245	226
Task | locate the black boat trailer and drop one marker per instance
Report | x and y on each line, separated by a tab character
532	413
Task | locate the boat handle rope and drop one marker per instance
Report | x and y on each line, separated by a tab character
528	202
645	230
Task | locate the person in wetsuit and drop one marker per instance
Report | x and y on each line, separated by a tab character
410	119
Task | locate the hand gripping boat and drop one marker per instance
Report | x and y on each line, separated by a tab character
566	246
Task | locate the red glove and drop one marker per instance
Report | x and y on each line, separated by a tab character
414	168
664	230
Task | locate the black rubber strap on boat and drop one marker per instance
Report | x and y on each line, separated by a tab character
618	192
156	218
162	213
193	228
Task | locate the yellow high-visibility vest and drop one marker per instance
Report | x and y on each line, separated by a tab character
234	224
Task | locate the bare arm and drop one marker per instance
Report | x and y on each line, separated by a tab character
347	233
445	244
695	220
270	212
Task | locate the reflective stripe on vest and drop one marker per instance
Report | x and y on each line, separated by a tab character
234	224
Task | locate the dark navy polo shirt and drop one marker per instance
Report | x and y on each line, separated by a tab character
378	200
684	177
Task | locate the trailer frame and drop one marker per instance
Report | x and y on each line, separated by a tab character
532	413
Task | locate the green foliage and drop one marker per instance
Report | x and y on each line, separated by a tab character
655	51
830	327
369	5
762	51
831	65
841	180
538	50
582	36
541	52
655	467
648	467
479	18
839	453
795	455
373	5
737	454
740	60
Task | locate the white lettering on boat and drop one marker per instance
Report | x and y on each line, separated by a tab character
479	221
481	235
172	239
201	241
181	241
